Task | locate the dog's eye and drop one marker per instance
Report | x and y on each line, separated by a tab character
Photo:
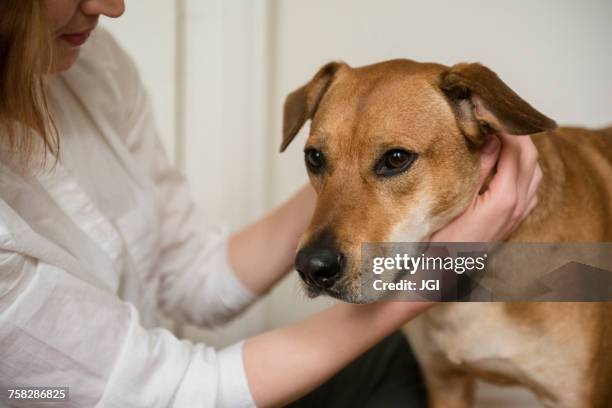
394	161
315	161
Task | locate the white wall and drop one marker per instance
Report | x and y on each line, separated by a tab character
221	116
222	106
223	87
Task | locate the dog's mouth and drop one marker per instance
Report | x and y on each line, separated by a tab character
315	291
341	290
312	290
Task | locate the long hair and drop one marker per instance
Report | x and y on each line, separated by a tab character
25	58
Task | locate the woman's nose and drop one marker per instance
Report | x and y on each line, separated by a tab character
109	8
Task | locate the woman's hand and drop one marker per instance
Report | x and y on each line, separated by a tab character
509	198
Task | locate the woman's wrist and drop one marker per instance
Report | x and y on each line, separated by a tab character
286	363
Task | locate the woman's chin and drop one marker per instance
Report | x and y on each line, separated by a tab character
64	58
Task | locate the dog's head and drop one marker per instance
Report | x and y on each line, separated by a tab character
393	154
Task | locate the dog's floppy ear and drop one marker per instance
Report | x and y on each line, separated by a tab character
484	104
302	103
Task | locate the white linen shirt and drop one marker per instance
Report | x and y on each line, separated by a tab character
92	247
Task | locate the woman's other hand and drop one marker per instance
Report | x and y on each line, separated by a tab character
509	197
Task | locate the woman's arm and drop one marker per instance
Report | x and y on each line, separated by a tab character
286	363
269	245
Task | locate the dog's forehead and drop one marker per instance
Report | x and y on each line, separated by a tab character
384	100
399	67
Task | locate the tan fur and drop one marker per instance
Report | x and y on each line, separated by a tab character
561	351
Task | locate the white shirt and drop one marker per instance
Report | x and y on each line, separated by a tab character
94	246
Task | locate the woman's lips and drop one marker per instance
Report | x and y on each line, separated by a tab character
76	39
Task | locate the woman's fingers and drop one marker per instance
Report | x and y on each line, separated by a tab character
529	164
488	158
531	198
502	194
513	190
535	182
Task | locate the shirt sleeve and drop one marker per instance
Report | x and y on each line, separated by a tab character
196	281
58	331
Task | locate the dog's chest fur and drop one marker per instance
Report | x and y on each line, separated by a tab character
487	342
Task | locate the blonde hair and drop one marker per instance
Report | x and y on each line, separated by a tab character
25	58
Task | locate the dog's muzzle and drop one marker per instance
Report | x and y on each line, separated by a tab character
319	267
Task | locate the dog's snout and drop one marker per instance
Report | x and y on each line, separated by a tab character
319	266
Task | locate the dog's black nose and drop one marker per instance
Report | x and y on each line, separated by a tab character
319	266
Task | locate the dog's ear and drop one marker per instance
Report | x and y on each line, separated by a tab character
484	104
302	103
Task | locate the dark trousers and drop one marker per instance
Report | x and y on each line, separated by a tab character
387	375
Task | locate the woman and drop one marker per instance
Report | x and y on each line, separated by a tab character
97	232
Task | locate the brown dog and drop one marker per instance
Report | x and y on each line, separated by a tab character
393	154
